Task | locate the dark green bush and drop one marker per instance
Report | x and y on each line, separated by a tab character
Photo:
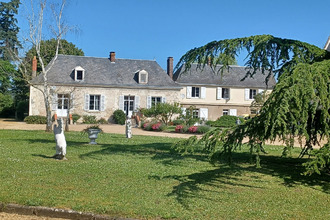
225	121
75	117
22	108
35	119
89	119
119	116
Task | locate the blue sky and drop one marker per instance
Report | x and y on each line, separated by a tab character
157	29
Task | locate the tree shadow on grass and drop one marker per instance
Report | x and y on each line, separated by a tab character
227	177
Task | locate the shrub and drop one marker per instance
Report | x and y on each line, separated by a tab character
154	126
102	121
178	122
203	129
192	129
75	117
179	128
119	116
89	119
35	119
225	121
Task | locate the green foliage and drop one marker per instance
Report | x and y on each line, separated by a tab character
202	129
178	122
188	116
75	117
22	108
8	29
102	121
89	119
299	105
225	121
258	101
320	162
162	111
119	116
35	119
7	71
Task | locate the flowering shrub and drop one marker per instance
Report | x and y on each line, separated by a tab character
179	128
154	126
193	129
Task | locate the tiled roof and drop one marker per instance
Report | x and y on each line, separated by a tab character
231	77
102	72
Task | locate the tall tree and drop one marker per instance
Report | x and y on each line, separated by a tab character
299	105
48	51
9	28
36	19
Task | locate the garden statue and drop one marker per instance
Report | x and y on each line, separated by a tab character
60	140
128	127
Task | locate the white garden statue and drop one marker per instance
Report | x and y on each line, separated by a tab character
60	140
128	127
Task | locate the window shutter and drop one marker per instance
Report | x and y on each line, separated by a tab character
54	102
183	111
203	92
189	88
136	102
233	112
102	102
229	90
247	94
219	92
163	99
203	113
148	102
121	102
86	106
260	90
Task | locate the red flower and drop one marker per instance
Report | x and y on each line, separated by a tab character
193	129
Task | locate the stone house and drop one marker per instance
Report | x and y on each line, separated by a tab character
214	94
99	86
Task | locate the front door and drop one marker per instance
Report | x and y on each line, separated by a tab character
129	105
62	105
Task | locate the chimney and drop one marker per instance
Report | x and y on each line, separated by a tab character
170	67
112	57
34	67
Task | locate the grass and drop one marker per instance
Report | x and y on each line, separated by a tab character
142	178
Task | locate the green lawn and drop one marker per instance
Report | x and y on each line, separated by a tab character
142	178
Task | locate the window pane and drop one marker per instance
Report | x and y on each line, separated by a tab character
97	102
91	102
225	112
79	75
225	93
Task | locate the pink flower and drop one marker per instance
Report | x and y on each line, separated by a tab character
179	128
156	127
193	129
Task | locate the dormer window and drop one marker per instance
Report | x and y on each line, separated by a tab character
143	77
79	73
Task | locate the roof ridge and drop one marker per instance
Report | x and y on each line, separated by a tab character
106	57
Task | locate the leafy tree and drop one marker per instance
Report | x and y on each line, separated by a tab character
162	111
299	105
9	28
47	51
259	101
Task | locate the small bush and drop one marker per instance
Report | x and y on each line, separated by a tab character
35	119
89	119
102	121
178	122
75	117
119	116
203	129
225	121
179	128
193	129
154	126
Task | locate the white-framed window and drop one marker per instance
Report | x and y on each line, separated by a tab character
62	101
143	77
79	73
195	92
195	113
223	93
154	100
225	112
94	102
250	93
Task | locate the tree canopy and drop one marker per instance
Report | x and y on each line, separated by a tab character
299	105
9	29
